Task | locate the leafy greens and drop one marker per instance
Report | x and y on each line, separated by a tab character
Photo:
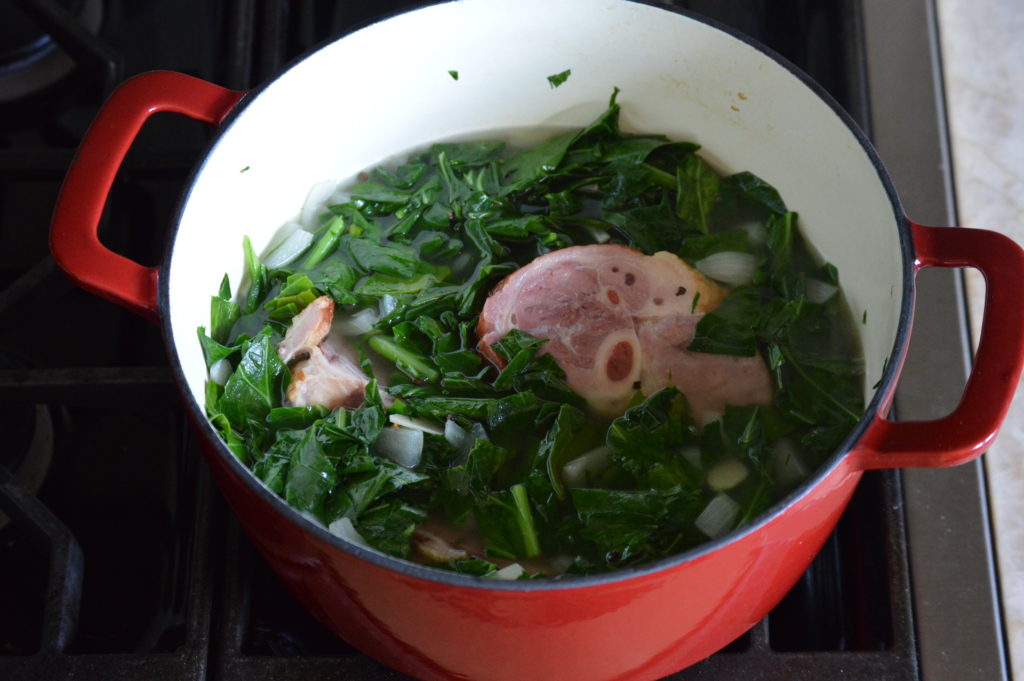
420	246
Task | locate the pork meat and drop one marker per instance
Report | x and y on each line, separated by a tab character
324	368
618	321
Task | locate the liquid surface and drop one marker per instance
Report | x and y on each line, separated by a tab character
432	374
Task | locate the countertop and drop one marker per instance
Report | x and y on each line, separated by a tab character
983	71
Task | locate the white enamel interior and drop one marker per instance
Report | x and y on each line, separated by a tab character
386	89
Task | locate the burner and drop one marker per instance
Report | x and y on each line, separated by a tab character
29	437
31	59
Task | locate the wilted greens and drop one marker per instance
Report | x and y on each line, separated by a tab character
511	459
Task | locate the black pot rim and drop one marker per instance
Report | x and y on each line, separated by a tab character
409	569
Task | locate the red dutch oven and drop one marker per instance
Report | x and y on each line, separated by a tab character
386	89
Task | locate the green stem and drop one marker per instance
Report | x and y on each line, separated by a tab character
666	180
327	243
409	362
525	517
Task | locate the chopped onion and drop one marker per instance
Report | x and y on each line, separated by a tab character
478	432
357	324
220	371
456	436
718	516
461	440
316	199
561	563
818	291
709	417
756	233
727	474
311	518
512	571
461	261
404	446
786	464
599	235
729	267
289	250
343	527
388	303
577	472
280	236
691	454
417	424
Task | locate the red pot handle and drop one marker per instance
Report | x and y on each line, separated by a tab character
969	430
73	234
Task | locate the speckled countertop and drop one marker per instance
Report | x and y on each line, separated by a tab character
983	64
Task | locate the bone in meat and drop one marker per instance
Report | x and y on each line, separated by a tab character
618	321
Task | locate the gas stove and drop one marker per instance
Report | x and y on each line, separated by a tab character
118	558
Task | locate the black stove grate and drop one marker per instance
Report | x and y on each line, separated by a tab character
127	564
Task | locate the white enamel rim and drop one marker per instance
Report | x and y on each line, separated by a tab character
750	68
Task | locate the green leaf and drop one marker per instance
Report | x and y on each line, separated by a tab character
295	418
468	154
645	440
698	247
368	479
259	279
698	187
532	164
757	191
311	474
559	78
506	534
223	313
649	228
632	526
731	328
255	387
391	259
388	527
212	350
570	436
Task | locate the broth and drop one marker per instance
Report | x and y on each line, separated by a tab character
473	444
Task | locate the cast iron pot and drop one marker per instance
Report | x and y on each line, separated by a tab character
386	89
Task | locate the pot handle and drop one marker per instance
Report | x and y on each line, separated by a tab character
969	430
74	240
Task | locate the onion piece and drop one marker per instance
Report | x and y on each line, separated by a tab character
691	454
388	303
729	267
463	440
358	323
220	371
718	516
561	563
818	291
599	235
455	435
289	250
709	417
511	572
787	467
343	527
576	473
404	446
756	233
417	424
726	474
315	202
